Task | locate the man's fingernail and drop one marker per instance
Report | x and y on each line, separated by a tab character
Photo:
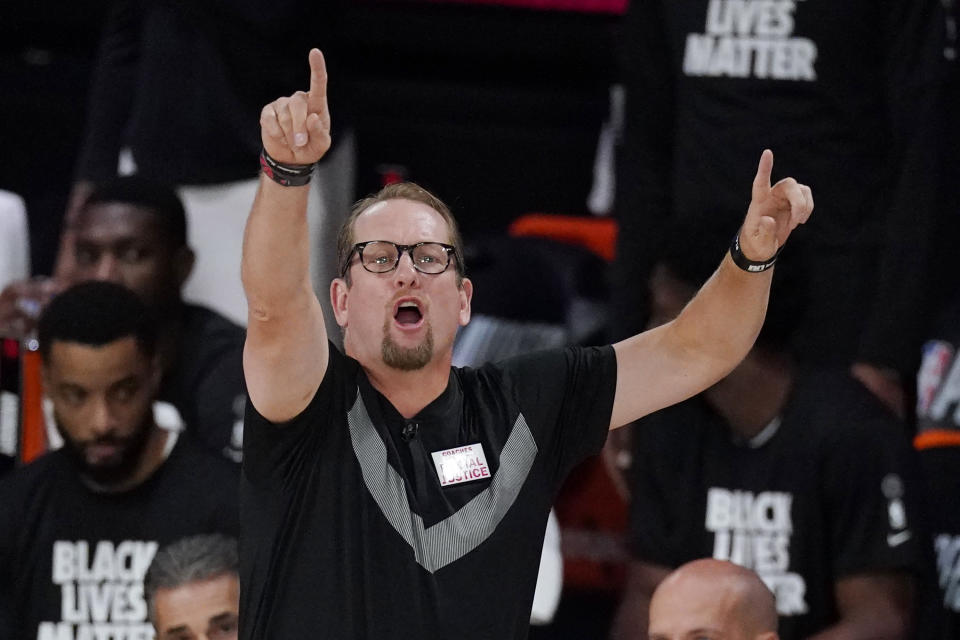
300	139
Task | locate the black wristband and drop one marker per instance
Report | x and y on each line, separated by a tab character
745	263
289	175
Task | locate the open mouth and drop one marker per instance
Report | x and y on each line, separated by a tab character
100	453
408	314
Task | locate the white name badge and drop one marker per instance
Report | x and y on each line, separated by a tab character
461	464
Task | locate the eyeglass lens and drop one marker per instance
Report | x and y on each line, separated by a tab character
428	257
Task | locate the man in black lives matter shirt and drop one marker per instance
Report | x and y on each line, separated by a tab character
80	525
821	503
938	443
133	231
358	521
797	473
851	90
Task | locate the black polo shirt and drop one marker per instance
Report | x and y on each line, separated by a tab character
348	533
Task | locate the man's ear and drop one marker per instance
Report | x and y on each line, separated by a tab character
183	261
466	295
339	291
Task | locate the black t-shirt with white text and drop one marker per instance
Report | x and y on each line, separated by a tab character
360	524
834	89
938	442
72	560
831	493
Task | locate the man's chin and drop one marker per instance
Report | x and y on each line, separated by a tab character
108	472
412	357
109	464
406	358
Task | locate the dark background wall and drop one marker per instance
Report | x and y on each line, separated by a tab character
497	109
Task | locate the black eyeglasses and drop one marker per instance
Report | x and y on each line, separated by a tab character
381	256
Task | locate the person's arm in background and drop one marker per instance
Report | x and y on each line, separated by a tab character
113	88
633	617
644	160
286	351
877	543
874	606
895	325
21	303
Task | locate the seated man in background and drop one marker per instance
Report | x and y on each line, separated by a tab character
800	475
713	599
80	525
193	589
938	444
133	232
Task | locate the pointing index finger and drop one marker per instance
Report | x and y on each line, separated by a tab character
317	100
761	183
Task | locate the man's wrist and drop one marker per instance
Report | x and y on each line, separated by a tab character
288	175
745	263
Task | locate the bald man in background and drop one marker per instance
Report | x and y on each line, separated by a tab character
713	599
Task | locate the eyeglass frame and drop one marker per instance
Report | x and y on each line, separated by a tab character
401	249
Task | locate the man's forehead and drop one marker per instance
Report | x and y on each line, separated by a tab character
407	218
122	355
116	219
695	601
197	604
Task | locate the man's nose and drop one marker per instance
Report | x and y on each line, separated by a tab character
101	418
108	269
406	274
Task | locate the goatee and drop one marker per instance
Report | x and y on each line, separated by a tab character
406	358
116	472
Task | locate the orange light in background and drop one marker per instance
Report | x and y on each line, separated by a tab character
33	433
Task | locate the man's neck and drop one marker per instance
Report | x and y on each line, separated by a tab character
410	391
152	456
754	393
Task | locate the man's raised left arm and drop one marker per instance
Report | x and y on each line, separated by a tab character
713	333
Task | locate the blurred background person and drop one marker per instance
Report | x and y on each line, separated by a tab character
938	381
193	589
713	599
851	90
797	473
133	232
80	525
938	443
230	58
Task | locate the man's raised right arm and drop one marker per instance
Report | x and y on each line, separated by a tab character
286	352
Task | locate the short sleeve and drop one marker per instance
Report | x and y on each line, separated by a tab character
273	453
219	392
870	483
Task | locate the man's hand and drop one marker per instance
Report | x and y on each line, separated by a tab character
884	383
296	130
66	260
21	304
774	212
